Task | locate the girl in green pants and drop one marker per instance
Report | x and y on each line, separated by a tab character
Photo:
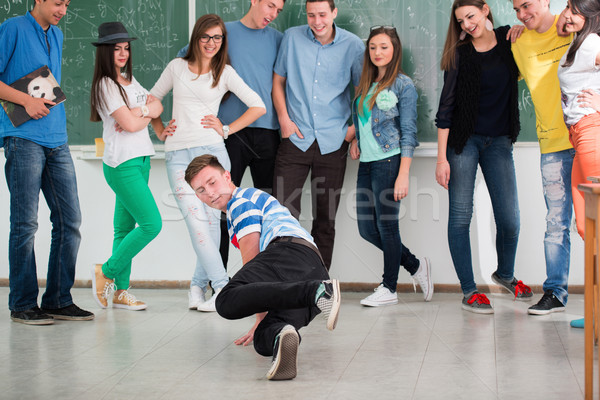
125	109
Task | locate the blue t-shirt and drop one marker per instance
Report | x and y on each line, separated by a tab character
25	47
252	53
252	210
318	79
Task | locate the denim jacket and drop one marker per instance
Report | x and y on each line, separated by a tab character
396	127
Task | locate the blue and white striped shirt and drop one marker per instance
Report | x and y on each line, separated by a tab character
252	210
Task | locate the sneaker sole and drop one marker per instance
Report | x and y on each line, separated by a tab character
70	317
545	312
94	291
368	303
131	308
286	365
478	310
33	322
335	307
429	294
501	284
201	309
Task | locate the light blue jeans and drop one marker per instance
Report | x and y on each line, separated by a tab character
556	180
203	222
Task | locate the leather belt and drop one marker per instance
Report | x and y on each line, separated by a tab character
297	240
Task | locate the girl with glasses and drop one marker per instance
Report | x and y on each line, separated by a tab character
478	121
385	117
199	81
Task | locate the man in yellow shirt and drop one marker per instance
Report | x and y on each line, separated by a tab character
537	53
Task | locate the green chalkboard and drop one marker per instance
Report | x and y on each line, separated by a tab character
421	25
161	27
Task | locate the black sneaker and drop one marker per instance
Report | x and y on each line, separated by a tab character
329	302
69	313
285	355
520	290
547	304
33	316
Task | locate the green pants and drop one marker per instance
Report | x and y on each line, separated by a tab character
134	204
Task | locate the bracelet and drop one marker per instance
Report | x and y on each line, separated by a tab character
442	162
145	111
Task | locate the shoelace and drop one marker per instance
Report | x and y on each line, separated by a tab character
109	287
478	298
129	298
520	287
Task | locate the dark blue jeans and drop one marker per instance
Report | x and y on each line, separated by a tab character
377	215
30	168
494	156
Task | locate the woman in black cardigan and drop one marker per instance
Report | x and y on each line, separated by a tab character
478	121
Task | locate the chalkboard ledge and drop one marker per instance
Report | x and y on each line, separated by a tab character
88	152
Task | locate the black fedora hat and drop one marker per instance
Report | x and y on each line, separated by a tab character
111	33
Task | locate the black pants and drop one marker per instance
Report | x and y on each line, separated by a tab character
326	175
282	280
255	148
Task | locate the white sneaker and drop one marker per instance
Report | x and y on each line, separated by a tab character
381	297
423	278
195	297
209	305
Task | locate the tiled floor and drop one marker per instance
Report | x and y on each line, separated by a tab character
414	350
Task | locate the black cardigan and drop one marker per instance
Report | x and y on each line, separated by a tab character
466	96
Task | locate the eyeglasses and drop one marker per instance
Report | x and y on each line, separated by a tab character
215	38
385	27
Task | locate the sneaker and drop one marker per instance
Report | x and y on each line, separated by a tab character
128	301
210	305
477	303
578	323
423	278
69	313
518	288
329	302
33	316
195	297
381	297
285	352
547	304
102	287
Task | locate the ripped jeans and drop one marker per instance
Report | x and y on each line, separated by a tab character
556	180
203	222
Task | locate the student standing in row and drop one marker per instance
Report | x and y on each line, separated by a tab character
579	76
537	53
125	109
283	280
385	117
478	121
311	94
38	158
199	81
252	50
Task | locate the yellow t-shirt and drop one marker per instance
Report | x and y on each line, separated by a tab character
537	55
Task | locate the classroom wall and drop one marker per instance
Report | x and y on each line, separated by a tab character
423	227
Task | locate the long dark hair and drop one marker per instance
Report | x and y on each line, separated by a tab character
590	10
454	30
105	68
218	62
370	70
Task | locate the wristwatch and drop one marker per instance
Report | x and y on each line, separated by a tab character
225	131
145	111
